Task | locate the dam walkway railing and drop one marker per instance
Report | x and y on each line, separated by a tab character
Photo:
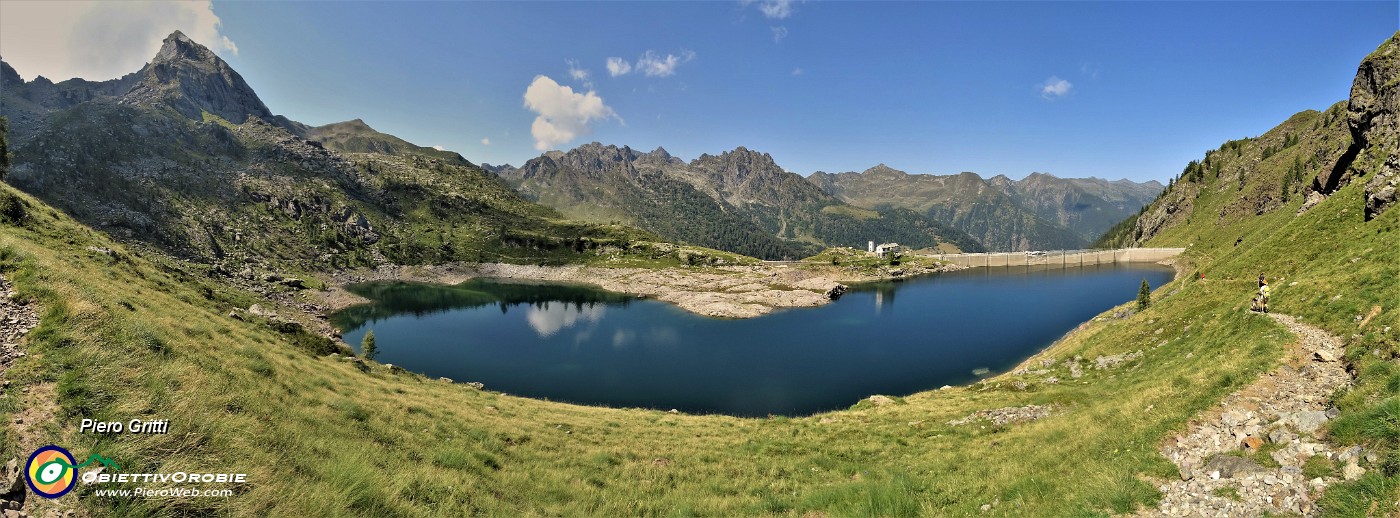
1061	258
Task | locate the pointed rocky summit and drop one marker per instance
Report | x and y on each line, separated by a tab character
190	78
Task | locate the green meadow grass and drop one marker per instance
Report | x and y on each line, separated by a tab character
139	336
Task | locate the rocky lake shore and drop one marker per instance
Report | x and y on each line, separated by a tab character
722	292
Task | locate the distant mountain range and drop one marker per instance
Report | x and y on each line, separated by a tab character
742	201
739	200
1038	212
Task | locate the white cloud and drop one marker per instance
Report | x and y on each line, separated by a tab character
797	71
653	65
1055	87
618	67
486	142
579	74
1090	69
779	32
776	9
561	113
99	40
439	148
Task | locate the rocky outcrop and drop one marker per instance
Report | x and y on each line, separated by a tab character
1372	118
1373	115
1006	416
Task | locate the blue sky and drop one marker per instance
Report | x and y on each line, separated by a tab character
1121	89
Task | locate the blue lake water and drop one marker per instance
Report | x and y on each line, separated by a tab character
582	345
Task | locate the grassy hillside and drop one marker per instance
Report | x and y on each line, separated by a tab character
1257	206
135	336
129	334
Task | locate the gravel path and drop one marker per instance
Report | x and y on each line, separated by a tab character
16	320
1283	413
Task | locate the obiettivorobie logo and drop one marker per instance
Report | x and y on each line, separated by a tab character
52	472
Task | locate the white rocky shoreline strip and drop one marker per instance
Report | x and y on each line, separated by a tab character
723	292
1286	409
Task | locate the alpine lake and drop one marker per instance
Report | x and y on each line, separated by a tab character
583	345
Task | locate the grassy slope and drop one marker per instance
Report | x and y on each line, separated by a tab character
1343	267
318	436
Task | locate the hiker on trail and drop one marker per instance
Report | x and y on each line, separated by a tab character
1262	282
1264	295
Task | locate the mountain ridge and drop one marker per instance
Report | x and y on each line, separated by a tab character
183	155
1041	211
738	200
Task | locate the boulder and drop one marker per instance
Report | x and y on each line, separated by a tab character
1252	443
1308	421
1230	466
1352	471
831	289
360	364
293	282
12	487
879	400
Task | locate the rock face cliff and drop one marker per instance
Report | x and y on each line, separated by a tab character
1372	119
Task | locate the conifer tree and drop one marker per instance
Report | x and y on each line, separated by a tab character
368	349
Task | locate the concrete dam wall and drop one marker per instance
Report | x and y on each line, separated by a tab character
1062	258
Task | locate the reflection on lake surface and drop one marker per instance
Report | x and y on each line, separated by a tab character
578	344
550	317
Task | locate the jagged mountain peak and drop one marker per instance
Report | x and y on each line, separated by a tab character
177	46
599	153
193	80
740	157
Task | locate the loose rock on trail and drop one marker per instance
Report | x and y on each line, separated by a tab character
1283	412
